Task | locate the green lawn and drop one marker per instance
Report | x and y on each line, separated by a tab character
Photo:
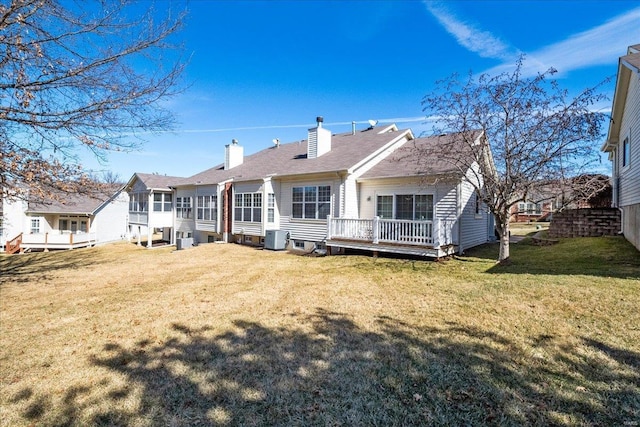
231	335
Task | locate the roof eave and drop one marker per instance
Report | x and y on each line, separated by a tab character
619	99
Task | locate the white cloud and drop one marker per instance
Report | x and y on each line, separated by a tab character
474	39
597	46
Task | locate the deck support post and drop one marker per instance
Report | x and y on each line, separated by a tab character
328	227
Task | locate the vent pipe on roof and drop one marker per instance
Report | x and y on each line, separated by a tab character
353	128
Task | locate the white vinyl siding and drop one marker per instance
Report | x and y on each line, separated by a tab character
473	222
109	223
312	230
444	202
629	174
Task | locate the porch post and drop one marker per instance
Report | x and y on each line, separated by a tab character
435	233
376	229
328	227
46	241
149	236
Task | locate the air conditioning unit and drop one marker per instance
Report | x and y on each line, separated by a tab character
276	240
185	242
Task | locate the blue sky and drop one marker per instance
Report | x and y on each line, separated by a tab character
261	70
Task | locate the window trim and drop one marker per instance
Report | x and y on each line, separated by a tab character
184	207
323	196
212	207
35	225
395	196
626	152
139	202
271	208
248	204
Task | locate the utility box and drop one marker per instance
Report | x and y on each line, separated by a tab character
185	242
276	240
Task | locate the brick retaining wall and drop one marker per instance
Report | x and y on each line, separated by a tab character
589	222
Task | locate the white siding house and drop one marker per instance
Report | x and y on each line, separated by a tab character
623	144
151	203
328	191
76	221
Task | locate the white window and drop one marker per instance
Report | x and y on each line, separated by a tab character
207	208
414	207
138	202
626	152
271	207
183	207
311	202
530	208
162	202
35	226
248	207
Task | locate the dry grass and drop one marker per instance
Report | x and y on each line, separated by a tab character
229	335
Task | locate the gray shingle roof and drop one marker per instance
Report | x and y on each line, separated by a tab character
159	182
419	157
632	59
291	159
73	203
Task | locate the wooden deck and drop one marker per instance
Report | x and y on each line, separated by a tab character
414	250
56	240
407	237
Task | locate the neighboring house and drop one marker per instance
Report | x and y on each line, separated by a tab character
623	143
151	207
584	191
334	191
76	221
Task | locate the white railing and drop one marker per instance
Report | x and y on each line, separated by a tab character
377	230
55	239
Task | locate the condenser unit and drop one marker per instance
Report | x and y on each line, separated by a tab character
276	240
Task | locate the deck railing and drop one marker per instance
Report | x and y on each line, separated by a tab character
57	240
378	230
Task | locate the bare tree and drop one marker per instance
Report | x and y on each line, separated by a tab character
79	74
533	132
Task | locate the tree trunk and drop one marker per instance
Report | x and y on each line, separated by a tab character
502	225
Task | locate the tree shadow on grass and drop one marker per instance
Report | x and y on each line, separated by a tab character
329	371
592	256
22	268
